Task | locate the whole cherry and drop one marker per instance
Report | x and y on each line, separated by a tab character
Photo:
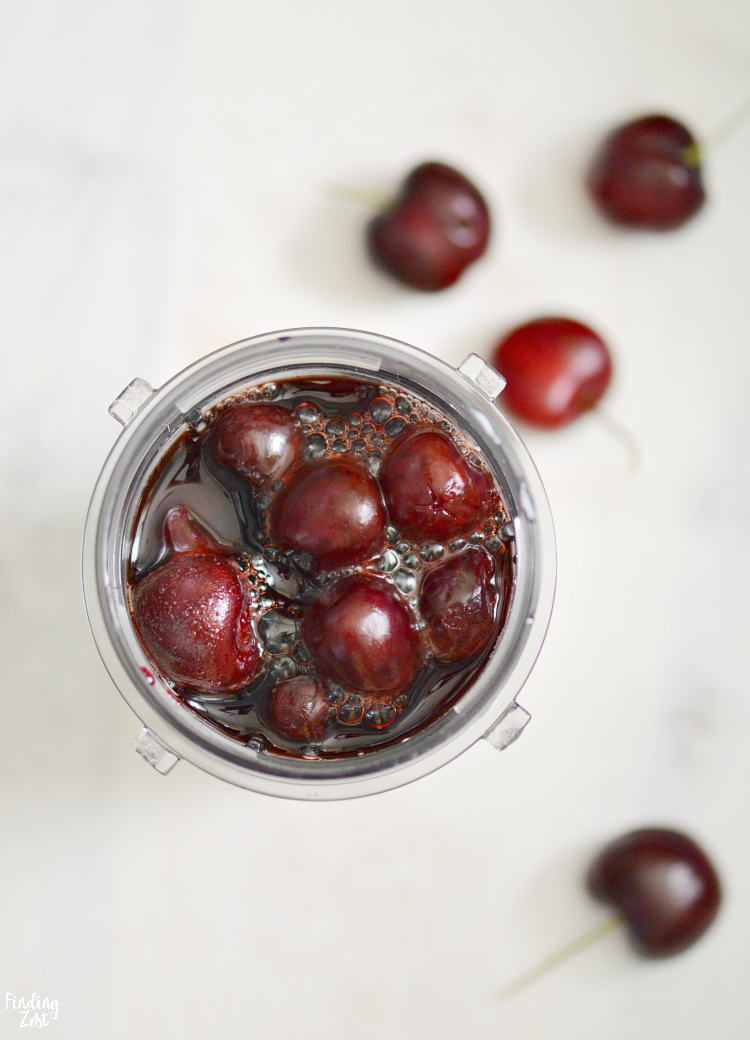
299	709
435	228
193	612
458	602
647	174
431	490
663	886
555	369
332	510
194	619
258	441
361	634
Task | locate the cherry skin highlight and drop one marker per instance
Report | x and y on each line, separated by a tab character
555	369
458	602
647	175
299	709
332	510
431	491
194	619
663	885
438	225
361	634
258	441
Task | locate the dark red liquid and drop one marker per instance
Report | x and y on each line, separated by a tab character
316	580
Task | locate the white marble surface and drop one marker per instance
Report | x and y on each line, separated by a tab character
165	176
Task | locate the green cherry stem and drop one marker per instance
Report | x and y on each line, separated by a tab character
695	154
558	958
622	434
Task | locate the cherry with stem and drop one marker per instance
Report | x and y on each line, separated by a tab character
647	173
664	889
556	369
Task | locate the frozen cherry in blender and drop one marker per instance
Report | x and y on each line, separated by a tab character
332	510
458	604
431	490
299	708
194	613
361	633
258	441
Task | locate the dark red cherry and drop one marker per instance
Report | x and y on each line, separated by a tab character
299	709
458	604
555	369
194	620
438	225
332	510
662	884
258	441
647	175
432	492
183	533
360	633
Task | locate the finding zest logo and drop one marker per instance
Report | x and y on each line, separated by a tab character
36	1012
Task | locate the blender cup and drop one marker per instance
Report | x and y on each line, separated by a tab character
154	420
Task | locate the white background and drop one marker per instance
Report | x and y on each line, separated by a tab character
169	182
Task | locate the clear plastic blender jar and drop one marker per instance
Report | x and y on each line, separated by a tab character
154	420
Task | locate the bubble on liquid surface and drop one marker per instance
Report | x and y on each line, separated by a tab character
431	552
313	446
402	405
351	711
309	751
338	446
307	413
279	633
405	580
388	562
411	560
335	693
457	544
283	667
380	410
335	428
394	427
380	715
359	445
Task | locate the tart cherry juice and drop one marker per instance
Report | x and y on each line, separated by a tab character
366	545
